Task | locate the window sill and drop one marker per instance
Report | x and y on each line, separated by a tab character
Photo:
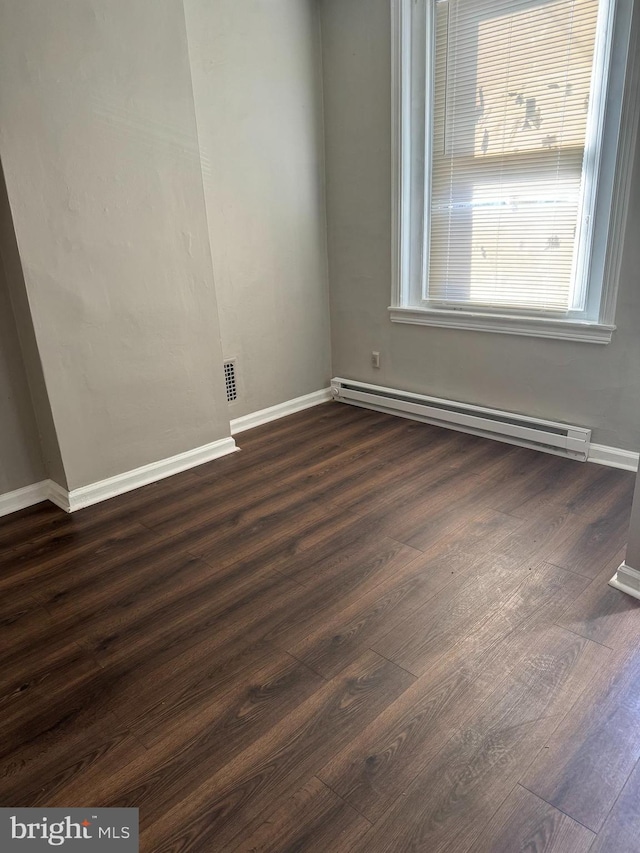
533	327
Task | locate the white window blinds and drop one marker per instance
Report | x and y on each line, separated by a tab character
510	118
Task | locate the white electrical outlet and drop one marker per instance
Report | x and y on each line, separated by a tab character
375	359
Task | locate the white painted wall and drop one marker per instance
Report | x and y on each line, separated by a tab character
257	83
99	146
593	386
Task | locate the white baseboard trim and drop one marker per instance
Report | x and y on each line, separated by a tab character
627	580
70	501
264	416
614	457
58	495
24	497
75	499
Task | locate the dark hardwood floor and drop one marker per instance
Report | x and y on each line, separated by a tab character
359	633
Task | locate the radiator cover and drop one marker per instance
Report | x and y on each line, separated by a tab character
549	436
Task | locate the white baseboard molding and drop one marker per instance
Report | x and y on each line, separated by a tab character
70	501
76	499
130	480
614	457
264	416
58	495
24	497
627	580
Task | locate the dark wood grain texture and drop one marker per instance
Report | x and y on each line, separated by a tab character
526	824
314	820
621	829
594	750
480	764
360	633
275	764
379	764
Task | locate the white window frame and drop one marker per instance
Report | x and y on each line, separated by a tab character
412	48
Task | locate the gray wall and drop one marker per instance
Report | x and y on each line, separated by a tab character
20	458
99	146
257	83
46	436
585	384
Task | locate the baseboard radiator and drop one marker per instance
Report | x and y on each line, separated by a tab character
561	439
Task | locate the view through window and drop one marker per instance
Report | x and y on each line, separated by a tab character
511	115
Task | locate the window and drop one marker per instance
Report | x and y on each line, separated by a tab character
512	163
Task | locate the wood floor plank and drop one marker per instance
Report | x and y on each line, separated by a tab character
604	614
77	685
381	762
46	521
621	829
303	427
358	632
212	609
222	509
280	683
606	492
352	471
420	510
69	786
24	671
143	572
366	578
30	774
269	444
31	565
314	820
20	616
590	756
374	769
565	485
542	480
331	641
461	789
357	550
586	546
363	619
115	591
249	599
278	763
376	488
417	642
531	541
526	824
18	527
424	515
150	689
228	501
201	739
283	522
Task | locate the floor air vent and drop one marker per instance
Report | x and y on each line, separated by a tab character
561	439
230	380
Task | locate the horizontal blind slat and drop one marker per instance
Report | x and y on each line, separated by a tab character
512	85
